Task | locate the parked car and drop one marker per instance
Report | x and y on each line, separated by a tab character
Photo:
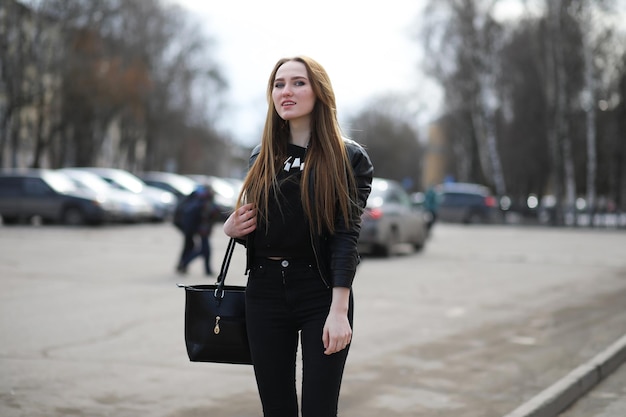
466	203
128	206
163	202
52	197
390	219
180	185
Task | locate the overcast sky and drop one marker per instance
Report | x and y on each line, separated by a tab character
368	48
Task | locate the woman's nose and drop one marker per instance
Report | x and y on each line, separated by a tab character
287	91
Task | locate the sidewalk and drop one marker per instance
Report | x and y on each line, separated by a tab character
597	388
608	399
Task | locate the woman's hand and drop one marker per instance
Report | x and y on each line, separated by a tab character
337	333
241	221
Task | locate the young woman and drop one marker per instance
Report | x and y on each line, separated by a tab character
299	217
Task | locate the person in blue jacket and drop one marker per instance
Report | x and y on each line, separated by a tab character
198	214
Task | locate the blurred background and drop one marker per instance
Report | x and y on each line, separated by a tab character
529	104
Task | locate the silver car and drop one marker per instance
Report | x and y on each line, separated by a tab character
163	202
390	219
129	207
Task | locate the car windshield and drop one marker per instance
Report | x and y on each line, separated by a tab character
91	181
222	187
128	182
183	184
59	182
377	196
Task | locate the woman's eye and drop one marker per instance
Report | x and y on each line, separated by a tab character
279	85
299	83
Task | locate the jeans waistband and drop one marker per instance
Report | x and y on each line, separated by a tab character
284	262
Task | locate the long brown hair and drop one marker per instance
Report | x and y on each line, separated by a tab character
326	156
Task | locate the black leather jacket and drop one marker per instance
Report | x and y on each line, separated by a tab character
336	254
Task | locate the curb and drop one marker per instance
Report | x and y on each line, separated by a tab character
555	399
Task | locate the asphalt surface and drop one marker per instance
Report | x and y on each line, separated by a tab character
479	324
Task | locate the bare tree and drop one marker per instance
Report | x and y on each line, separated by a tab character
391	141
462	56
124	78
13	63
523	122
585	18
596	35
529	93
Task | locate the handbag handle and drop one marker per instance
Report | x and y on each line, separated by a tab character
221	278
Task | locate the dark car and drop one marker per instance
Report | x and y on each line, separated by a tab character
390	219
466	203
51	196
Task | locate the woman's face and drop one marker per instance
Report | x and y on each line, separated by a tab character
292	93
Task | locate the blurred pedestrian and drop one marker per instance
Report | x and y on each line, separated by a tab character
431	204
299	215
199	212
179	221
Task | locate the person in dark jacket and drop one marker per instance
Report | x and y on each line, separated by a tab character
198	215
431	204
179	222
299	216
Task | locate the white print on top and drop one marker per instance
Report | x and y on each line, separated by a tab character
293	163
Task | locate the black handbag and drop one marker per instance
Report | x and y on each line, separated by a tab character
215	320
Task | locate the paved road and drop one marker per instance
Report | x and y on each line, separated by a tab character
479	322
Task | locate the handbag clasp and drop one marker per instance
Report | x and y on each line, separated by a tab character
216	329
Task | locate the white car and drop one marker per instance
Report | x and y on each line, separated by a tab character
163	202
129	207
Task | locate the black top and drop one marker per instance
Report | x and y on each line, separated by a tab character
286	233
336	254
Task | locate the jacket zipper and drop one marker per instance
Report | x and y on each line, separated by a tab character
317	262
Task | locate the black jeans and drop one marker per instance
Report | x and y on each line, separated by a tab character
204	251
287	300
188	247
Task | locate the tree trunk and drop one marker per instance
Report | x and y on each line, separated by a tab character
39	133
14	129
589	108
555	91
561	117
5	122
483	110
489	133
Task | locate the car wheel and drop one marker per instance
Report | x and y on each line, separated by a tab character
474	218
418	246
423	236
386	248
73	216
